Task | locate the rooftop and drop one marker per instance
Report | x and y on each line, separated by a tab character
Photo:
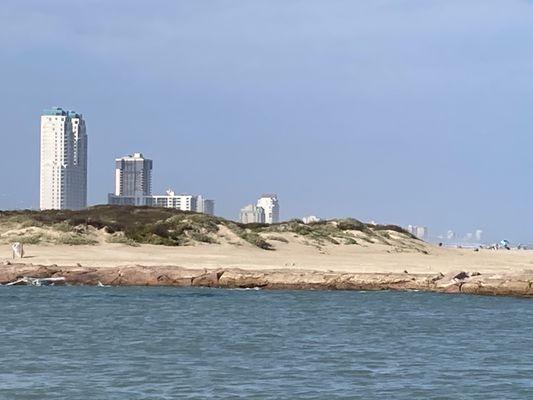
54	111
58	111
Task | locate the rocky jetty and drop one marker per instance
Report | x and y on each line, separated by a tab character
469	282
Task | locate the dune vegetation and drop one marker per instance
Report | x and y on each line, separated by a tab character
161	226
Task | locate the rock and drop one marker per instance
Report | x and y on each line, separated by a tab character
242	279
474	283
436	278
461	275
208	279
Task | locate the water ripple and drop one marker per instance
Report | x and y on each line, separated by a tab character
167	343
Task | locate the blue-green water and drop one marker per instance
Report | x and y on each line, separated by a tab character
167	343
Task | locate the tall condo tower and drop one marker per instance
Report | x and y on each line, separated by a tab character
270	204
133	176
63	182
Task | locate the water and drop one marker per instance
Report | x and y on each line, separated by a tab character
168	343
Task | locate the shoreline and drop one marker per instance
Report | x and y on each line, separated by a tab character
466	282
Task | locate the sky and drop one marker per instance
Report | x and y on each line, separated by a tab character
398	111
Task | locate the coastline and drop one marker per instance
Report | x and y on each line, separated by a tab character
466	282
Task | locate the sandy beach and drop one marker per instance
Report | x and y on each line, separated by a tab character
291	265
294	256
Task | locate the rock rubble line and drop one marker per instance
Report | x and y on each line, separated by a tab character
136	275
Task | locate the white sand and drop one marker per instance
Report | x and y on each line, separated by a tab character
348	258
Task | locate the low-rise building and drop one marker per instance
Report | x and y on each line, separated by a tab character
115	200
310	219
183	202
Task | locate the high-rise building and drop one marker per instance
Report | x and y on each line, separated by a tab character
63	177
420	232
252	214
270	204
133	187
133	176
266	211
205	206
79	159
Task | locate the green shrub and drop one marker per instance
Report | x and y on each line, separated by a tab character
33	238
256	240
62	226
172	227
351	224
202	237
75	240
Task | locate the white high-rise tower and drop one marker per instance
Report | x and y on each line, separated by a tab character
270	204
63	160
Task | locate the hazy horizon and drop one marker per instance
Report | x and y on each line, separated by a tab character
405	112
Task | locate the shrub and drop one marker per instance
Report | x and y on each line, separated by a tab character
34	238
122	239
351	225
175	228
393	228
256	240
62	226
202	237
278	239
75	240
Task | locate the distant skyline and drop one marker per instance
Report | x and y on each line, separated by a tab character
407	112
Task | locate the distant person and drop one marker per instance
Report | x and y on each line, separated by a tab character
18	250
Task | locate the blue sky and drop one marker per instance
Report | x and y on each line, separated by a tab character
414	111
